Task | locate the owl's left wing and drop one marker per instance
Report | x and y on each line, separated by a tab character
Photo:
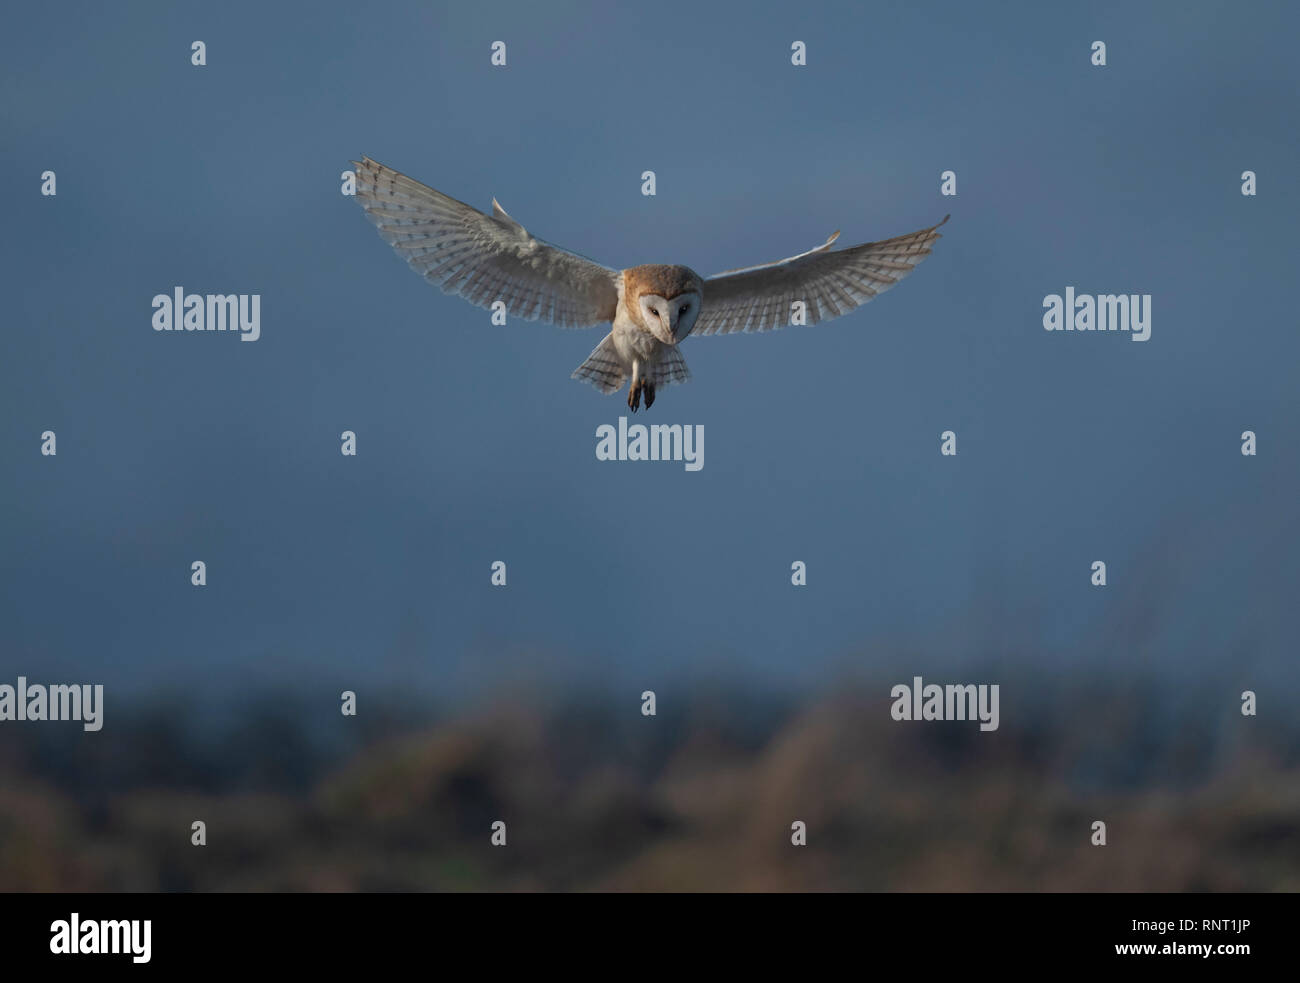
484	258
829	284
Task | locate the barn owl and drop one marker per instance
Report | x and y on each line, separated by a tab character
651	309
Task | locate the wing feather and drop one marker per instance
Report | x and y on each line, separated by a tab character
830	284
484	258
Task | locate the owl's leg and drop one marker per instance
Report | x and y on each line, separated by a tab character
634	388
649	394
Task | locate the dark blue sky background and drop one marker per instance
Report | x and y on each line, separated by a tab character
822	443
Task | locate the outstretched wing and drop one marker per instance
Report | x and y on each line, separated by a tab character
484	258
760	298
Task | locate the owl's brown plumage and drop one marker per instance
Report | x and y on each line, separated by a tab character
655	278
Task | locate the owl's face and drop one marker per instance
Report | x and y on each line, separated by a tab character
663	300
671	318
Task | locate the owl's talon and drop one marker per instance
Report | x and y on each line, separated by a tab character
649	395
634	397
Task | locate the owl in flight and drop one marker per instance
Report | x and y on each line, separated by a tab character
652	308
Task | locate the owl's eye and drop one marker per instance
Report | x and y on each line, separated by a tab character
684	310
654	312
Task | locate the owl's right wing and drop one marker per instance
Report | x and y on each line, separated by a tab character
484	258
829	284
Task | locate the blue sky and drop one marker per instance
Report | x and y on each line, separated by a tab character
822	443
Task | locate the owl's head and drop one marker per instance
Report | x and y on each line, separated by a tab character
664	300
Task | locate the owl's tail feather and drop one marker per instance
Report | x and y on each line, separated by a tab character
669	368
603	368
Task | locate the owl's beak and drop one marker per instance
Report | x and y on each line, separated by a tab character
664	334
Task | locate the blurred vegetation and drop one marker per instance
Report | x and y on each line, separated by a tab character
699	798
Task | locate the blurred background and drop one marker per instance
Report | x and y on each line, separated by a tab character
522	703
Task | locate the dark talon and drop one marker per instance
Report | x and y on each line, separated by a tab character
649	395
634	397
